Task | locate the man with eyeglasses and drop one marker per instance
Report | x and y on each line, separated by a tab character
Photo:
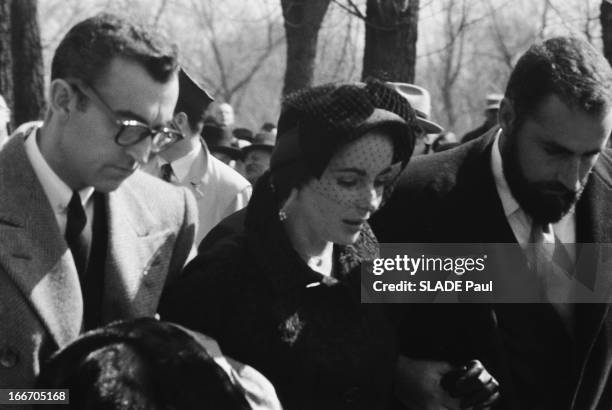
85	236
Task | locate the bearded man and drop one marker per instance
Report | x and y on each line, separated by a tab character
545	176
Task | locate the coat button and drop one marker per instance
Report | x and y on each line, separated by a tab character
8	358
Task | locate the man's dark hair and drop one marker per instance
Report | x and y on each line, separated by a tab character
567	67
88	48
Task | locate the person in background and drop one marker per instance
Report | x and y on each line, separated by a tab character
87	237
269	127
257	155
219	190
493	102
223	145
288	281
223	114
244	134
5	121
420	101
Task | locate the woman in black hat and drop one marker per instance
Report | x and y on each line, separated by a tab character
283	293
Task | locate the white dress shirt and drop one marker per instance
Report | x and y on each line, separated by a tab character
219	190
519	221
56	190
181	166
557	285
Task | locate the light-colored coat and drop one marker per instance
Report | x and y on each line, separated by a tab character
219	190
151	227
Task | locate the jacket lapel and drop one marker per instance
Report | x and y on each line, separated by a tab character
477	193
32	250
133	276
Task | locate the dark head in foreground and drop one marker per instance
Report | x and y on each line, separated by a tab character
139	364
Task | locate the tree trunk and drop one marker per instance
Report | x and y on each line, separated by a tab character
390	39
28	78
605	17
6	57
303	20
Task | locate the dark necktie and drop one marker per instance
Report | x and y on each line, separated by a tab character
166	172
76	220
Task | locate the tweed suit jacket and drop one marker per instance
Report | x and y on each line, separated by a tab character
150	229
451	197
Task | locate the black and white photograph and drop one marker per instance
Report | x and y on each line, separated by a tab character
306	204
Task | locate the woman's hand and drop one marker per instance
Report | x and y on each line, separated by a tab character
473	384
418	385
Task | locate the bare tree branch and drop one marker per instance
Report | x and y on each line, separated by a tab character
459	33
558	13
345	46
544	19
587	22
256	66
207	23
467	24
507	56
426	4
160	11
76	11
227	86
351	8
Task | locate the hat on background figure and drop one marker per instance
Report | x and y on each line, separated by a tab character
263	141
193	100
420	101
494	101
243	134
269	127
221	139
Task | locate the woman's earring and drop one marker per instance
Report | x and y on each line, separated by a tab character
282	214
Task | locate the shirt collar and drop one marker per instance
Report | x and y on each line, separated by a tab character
57	191
508	202
182	166
564	229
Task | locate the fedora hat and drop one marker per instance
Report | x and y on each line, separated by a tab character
221	139
493	101
263	141
420	101
243	134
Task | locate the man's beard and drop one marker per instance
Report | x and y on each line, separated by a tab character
546	201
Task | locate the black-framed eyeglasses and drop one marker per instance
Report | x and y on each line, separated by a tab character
130	131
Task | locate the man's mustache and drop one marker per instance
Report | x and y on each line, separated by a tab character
555	189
